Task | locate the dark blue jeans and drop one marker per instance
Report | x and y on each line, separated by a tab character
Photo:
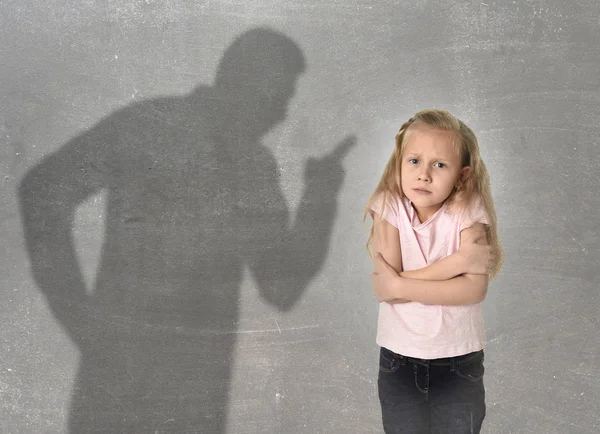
431	396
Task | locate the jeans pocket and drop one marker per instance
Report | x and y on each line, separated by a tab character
388	363
471	369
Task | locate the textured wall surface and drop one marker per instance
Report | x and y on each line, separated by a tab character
183	186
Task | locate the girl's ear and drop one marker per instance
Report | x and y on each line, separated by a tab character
465	172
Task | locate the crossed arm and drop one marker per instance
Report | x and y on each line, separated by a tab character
448	281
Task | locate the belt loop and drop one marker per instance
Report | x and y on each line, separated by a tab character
453	364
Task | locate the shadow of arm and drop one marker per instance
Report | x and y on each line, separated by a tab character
49	194
284	260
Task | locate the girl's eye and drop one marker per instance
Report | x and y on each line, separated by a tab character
411	160
441	165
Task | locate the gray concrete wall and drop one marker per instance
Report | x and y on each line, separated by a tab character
177	254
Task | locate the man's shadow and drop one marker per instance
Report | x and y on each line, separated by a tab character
192	198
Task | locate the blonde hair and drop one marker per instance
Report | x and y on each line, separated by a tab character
475	188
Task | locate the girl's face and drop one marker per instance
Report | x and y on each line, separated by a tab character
430	169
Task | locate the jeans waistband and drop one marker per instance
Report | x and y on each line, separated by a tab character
446	361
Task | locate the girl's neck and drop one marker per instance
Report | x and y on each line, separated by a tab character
425	215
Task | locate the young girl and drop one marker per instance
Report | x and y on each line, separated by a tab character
433	259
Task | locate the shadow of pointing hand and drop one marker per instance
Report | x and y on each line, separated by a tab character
328	170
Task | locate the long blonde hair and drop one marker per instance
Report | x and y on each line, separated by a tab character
475	188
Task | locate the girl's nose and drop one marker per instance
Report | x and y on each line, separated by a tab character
424	176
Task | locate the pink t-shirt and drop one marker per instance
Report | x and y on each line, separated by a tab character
428	331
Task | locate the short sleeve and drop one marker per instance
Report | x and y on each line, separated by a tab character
475	214
391	211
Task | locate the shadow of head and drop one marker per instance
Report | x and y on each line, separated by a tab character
255	80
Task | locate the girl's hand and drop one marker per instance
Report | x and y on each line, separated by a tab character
386	281
477	258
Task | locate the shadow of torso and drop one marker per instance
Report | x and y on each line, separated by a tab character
184	209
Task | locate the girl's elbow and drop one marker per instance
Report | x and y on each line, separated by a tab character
479	287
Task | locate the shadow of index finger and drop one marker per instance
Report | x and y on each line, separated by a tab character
343	148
